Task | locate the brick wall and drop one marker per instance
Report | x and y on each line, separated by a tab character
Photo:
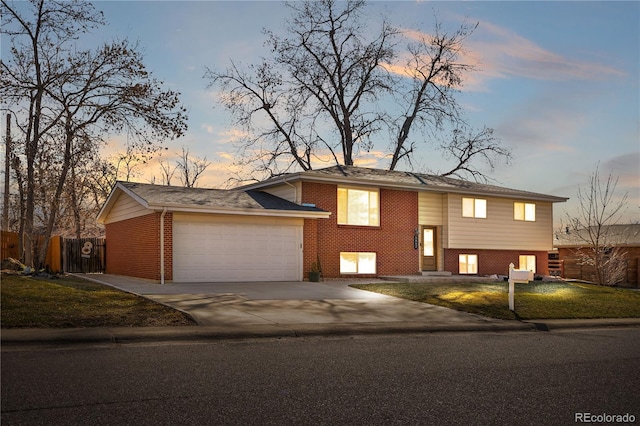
168	247
310	241
133	247
392	241
495	261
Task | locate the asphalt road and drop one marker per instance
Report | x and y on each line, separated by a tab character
457	378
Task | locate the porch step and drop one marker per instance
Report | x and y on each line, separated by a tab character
436	274
434	279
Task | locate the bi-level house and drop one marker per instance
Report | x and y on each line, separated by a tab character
354	221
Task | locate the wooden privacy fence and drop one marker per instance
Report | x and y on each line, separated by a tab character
10	247
84	255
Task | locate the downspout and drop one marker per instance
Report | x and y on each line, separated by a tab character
164	212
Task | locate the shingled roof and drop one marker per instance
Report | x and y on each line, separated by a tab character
404	180
180	199
163	195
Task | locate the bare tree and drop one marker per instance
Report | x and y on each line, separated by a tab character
463	148
321	93
73	97
167	171
188	168
595	228
35	43
191	168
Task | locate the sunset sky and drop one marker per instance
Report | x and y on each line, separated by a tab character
558	81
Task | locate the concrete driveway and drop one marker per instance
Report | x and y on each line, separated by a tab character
286	303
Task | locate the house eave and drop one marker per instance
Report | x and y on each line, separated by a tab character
242	212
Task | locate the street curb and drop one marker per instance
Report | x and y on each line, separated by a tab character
568	324
115	335
207	333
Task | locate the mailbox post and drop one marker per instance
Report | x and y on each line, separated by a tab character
517	276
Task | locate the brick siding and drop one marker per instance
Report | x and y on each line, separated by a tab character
133	247
392	241
495	261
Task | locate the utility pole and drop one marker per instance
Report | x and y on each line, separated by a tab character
7	166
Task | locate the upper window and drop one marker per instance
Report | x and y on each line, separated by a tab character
358	207
524	211
474	207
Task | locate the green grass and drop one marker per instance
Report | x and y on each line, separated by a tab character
65	302
536	300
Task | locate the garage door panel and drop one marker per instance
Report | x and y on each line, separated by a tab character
209	250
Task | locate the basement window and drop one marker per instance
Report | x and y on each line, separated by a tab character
468	264
357	263
527	263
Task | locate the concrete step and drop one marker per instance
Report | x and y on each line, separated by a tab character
436	274
437	279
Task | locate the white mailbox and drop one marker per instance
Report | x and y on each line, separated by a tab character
521	275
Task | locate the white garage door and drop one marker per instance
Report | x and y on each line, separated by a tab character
232	249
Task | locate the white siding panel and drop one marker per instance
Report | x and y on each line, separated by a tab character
499	230
125	208
289	192
430	208
231	248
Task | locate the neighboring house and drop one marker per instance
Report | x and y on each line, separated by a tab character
626	238
355	221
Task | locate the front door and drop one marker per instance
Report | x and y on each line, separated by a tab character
429	262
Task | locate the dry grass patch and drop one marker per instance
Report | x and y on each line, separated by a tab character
67	302
536	300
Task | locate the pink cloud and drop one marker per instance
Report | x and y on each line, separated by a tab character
498	52
503	53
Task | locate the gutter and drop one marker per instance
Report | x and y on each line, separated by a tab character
164	212
305	214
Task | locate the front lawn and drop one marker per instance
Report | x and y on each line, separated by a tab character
536	300
73	302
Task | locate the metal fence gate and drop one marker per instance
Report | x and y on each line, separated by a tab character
84	255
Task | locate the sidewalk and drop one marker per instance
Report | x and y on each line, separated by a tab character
276	310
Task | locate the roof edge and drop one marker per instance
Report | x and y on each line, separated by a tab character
312	177
177	208
120	188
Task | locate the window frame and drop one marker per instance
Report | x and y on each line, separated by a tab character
358	264
527	264
467	256
475	204
522	214
342	216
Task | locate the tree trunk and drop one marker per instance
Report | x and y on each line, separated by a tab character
55	201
